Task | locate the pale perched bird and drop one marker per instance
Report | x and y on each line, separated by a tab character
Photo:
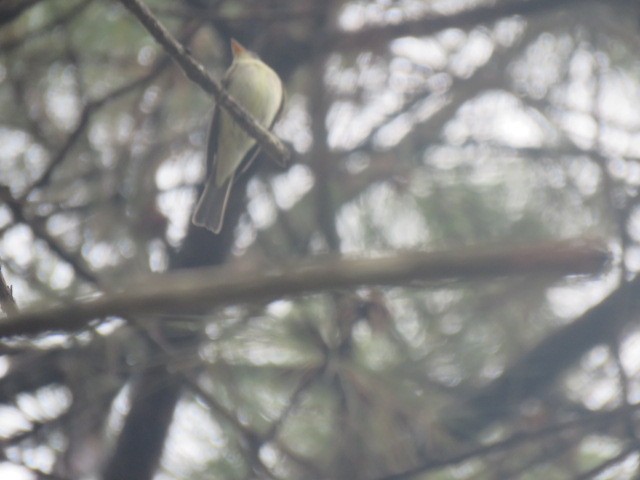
230	150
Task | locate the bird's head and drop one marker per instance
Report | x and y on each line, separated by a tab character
239	51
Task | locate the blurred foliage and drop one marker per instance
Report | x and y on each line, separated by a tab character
467	129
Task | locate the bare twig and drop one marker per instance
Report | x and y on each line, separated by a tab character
196	72
17	209
59	21
184	291
255	14
9	12
428	25
89	109
7	302
521	438
542	364
598	469
624	381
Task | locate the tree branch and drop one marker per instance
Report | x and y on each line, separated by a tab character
16	206
544	363
196	72
596	419
428	25
7	302
184	291
90	109
57	22
11	10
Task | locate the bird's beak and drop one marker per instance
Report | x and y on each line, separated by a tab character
236	48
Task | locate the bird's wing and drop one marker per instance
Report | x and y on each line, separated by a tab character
214	130
212	141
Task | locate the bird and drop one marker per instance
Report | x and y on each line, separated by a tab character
230	149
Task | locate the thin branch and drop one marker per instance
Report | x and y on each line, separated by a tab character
183	291
59	21
254	14
90	108
196	72
516	440
294	400
7	302
607	464
8	13
431	24
625	389
543	363
38	228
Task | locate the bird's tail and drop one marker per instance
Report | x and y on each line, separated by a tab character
209	212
